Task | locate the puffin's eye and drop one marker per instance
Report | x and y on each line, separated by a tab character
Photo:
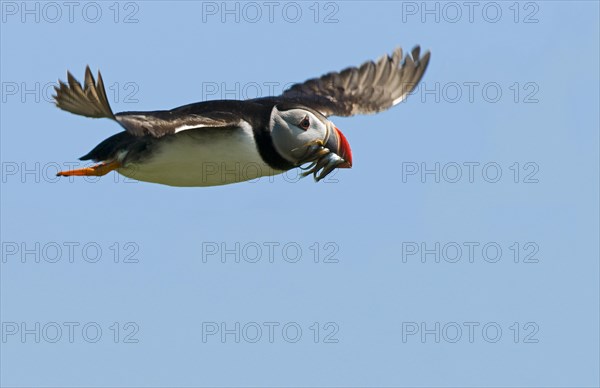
305	123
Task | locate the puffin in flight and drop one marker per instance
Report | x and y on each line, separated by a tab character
227	141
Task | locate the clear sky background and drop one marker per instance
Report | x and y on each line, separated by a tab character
507	294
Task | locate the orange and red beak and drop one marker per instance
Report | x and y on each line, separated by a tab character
335	153
338	144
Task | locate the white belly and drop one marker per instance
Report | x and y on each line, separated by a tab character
202	158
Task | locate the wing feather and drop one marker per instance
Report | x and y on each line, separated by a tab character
161	123
369	88
90	100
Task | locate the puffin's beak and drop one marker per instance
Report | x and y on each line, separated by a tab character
338	144
325	158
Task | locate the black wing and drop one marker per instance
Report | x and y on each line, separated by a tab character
370	88
91	101
161	123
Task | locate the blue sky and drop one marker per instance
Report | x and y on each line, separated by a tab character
461	248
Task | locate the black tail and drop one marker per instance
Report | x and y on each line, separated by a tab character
111	148
90	101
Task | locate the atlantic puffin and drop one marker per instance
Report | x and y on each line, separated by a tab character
220	142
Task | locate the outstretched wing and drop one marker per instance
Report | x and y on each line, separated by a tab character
370	88
90	100
161	123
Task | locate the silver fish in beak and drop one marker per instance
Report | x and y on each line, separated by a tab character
334	153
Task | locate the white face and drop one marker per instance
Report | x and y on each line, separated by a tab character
294	130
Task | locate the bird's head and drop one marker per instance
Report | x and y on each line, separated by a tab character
302	135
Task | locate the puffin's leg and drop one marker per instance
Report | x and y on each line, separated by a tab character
97	170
